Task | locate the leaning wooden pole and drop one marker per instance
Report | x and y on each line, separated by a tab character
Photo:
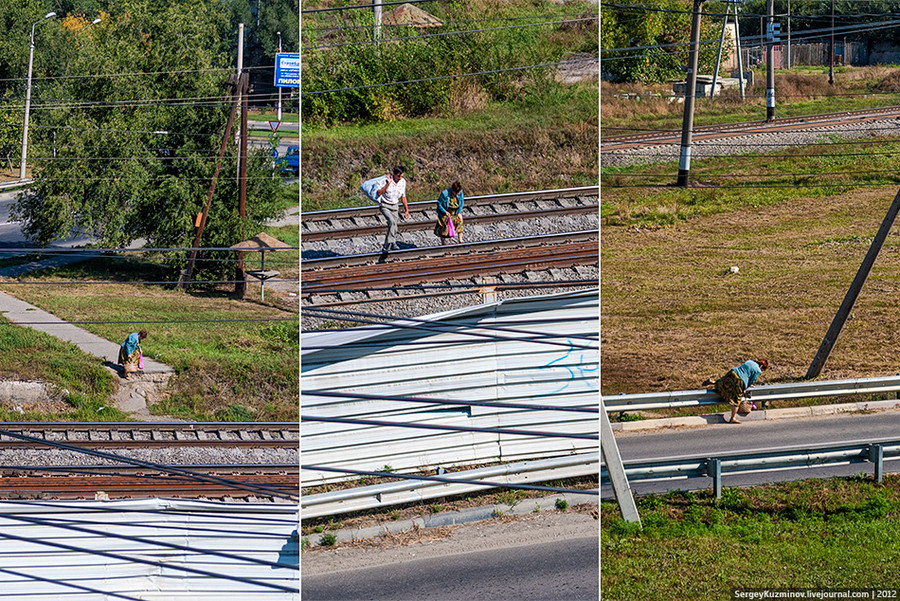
840	319
185	277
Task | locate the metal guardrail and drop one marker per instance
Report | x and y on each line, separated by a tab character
682	468
412	491
766	392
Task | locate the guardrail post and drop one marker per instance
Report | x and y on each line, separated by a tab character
876	456
714	470
613	460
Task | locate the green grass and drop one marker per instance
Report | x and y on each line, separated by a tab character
505	147
29	355
791	173
226	370
811	534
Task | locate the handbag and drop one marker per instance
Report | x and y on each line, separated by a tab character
141	361
451	230
744	408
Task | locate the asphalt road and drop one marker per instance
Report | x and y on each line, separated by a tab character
733	438
553	571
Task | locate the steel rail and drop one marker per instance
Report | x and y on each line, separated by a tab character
155	434
314	216
453	253
69	486
769	392
511	475
469	216
125	469
726	130
756	461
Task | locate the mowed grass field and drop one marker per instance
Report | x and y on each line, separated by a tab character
673	313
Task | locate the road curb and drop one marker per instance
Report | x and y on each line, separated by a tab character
453	518
759	415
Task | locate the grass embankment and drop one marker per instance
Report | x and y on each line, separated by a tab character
502	148
226	370
832	534
673	311
801	91
29	355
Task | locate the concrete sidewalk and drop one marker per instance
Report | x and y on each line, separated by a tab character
20	312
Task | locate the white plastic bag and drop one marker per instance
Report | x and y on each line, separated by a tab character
371	187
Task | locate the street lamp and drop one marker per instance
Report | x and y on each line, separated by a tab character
28	97
279	88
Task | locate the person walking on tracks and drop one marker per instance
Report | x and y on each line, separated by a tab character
449	211
732	386
130	354
394	190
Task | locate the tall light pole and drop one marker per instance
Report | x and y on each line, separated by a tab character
279	87
28	97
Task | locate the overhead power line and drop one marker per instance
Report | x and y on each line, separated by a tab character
395	83
366	6
447	33
446	428
446	23
446	479
404	399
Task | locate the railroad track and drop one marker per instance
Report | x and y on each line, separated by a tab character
366	221
489	258
730	130
152	434
116	482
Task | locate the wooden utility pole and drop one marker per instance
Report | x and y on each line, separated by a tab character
240	286
840	318
687	125
234	84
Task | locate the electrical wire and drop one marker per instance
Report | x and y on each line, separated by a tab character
139	73
165	565
462	285
151	542
406	399
438	327
258	489
72	585
394	83
367	6
514	431
163	321
445	23
446	33
322	468
451	324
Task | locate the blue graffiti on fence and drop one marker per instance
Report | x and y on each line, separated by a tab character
584	372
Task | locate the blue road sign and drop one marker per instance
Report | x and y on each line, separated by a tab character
287	70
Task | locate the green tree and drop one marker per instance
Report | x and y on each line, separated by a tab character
654	39
127	127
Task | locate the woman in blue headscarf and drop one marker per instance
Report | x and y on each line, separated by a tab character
130	352
450	206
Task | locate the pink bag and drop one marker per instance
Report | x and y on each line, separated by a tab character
141	361
451	230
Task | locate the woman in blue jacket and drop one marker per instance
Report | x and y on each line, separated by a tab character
450	206
130	352
731	386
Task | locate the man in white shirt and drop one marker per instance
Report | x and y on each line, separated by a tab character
392	191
